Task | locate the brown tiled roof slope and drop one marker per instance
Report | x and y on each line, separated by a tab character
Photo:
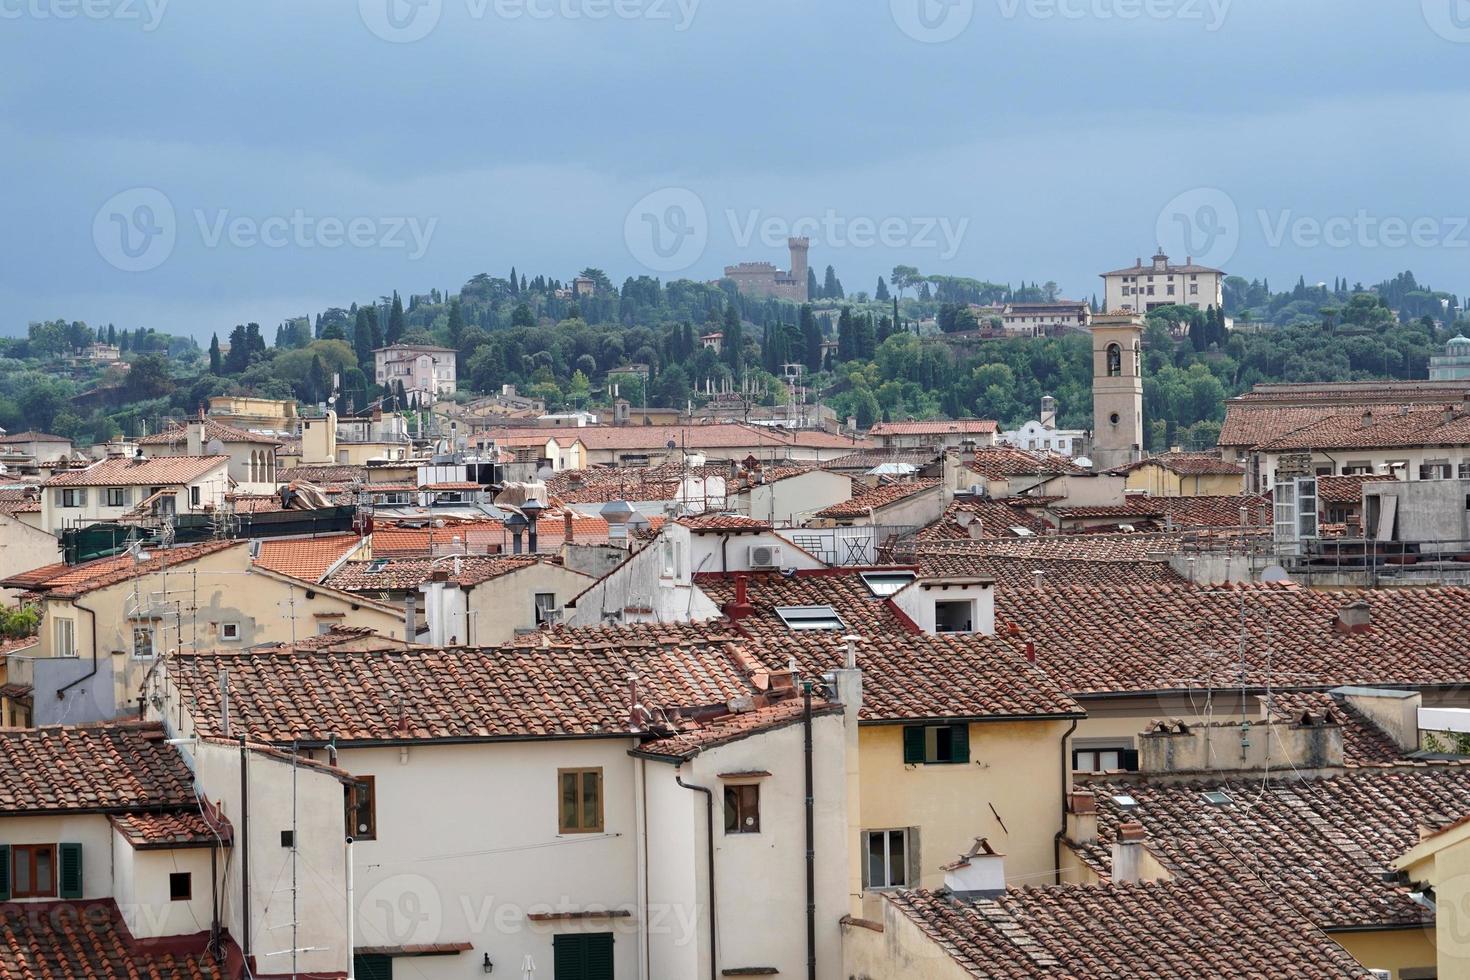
1057	547
1383	430
120	471
1182	512
1363	742
1188	464
407	574
869	458
1339	833
94	768
1183	931
935	427
999	462
185	828
550	685
843	589
1011	573
724	522
70	581
1169	638
996	519
733	728
912	678
878	497
177	435
1346	489
76	940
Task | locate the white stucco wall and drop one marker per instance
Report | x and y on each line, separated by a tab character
91	830
141	887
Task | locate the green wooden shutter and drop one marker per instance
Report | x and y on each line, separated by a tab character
583	957
599	956
69	876
959	743
4	872
372	967
913	744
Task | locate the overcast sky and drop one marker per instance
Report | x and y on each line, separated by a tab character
192	166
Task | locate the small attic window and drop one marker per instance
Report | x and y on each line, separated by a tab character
1217	798
885	584
810	617
1023	532
1125	802
378	564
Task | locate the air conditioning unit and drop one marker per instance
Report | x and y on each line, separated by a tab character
1381	974
765	556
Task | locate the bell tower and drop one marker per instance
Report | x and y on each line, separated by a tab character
1117	390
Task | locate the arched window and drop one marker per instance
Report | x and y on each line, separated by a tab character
252	466
1115	360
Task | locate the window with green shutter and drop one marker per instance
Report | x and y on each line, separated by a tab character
69	877
372	967
583	957
936	744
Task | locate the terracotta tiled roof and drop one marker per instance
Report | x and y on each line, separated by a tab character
1363	742
1000	462
331	474
656	438
938	427
723	522
1180	930
407	574
29	436
1170	638
1180	512
1346	489
734	727
1188	464
843	589
91	939
869	458
1010	572
1340	833
1382	430
70	581
1056	547
573	683
118	471
177	435
485	536
156	831
994	518
879	497
307	559
97	768
20	500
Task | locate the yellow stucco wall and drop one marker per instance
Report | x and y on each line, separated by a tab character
1160	482
1395	950
900	952
1009	792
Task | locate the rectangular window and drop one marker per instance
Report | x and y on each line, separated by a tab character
936	744
194	497
74	497
1435	469
581	956
33	871
886	856
1104	759
743	809
117	496
545	607
955	616
580	806
142	642
64	640
1465	469
180	886
362	808
229	631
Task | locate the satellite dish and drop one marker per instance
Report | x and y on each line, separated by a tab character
215	448
1083	462
1274	573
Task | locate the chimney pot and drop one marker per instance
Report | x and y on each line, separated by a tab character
1082	801
1131	832
1355	617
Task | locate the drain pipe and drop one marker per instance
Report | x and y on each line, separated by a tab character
709	826
1056	842
61	691
811	839
245	849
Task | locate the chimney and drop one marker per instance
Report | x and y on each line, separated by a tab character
566	527
979	873
741	607
410	617
1128	853
1355	617
976	530
1367	417
1081	816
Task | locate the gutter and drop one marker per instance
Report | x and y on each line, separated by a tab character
811	844
61	691
709	826
1056	841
